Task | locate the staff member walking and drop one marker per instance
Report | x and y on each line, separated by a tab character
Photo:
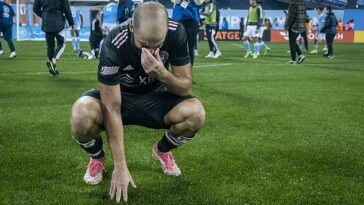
296	24
211	27
53	14
330	30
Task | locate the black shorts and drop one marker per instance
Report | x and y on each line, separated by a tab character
146	110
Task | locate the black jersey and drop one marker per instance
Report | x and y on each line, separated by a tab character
120	60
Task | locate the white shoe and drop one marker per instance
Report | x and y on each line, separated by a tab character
54	61
217	54
196	53
94	172
247	54
301	58
210	55
1	52
12	54
255	56
292	62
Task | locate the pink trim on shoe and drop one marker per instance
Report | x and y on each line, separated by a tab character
167	161
95	171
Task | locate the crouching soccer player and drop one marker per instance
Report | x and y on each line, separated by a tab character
137	89
95	38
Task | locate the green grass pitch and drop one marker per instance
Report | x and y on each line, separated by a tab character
274	133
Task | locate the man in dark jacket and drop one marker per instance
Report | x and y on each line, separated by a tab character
330	30
53	14
296	24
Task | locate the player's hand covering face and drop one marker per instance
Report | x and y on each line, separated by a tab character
152	63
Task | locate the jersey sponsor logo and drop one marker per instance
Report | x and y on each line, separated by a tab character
145	80
164	56
172	25
140	80
109	70
128	68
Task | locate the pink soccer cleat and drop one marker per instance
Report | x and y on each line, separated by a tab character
94	172
166	159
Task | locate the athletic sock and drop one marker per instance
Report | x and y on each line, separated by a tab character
78	43
167	143
93	148
258	48
74	43
247	46
315	46
262	45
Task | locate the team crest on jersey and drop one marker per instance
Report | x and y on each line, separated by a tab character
164	56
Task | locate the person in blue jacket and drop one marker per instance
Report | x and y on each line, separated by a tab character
330	30
125	10
187	13
6	27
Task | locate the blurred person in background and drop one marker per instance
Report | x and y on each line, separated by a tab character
340	25
259	35
295	24
330	30
304	35
225	24
78	20
187	13
241	28
210	14
349	26
54	14
320	36
6	27
125	10
253	24
109	16
95	39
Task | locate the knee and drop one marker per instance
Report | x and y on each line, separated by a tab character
196	119
85	114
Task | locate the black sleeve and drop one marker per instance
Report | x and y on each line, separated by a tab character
327	24
37	8
180	55
109	70
67	12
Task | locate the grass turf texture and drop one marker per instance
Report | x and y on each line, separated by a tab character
274	133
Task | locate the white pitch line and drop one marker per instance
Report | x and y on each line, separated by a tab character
211	65
237	45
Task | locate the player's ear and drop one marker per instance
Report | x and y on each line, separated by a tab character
131	27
